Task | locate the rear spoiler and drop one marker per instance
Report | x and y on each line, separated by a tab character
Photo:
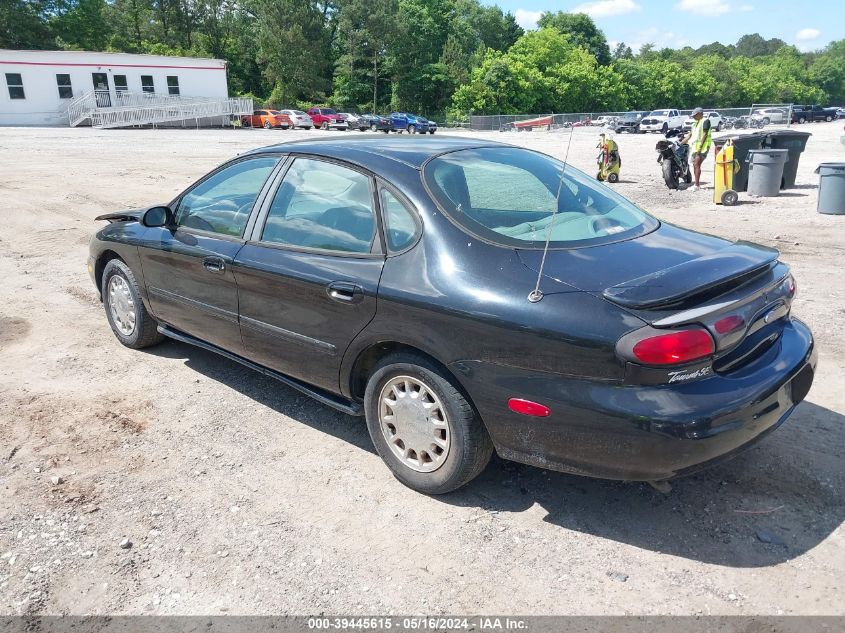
708	275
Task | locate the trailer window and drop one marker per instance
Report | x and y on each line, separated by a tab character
147	84
120	84
15	84
65	88
173	85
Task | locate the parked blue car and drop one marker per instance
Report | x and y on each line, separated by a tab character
411	123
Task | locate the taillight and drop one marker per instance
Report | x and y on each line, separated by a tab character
674	348
791	286
729	324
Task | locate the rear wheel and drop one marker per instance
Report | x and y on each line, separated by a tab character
325	125
828	118
412	129
423	427
374	128
613	177
802	120
128	317
267	125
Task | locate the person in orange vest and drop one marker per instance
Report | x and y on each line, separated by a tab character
700	141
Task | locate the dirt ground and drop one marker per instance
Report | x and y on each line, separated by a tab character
239	495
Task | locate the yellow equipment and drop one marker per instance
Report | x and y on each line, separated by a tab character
725	168
608	159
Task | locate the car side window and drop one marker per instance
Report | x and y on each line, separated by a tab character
400	226
222	203
324	206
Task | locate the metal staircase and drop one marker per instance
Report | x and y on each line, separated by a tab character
134	109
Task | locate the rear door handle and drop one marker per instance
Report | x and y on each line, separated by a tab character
214	264
345	292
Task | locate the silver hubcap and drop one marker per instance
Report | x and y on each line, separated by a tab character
121	305
414	424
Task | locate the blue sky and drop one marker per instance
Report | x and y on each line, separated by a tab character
678	23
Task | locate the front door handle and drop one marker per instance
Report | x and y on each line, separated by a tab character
345	292
214	264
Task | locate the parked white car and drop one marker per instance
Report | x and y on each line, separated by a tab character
603	121
299	119
662	121
716	122
770	115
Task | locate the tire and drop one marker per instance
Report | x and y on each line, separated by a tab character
325	125
802	120
729	197
374	128
665	128
431	131
828	118
143	332
688	177
669	175
599	177
267	125
613	177
766	121
469	447
719	127
412	129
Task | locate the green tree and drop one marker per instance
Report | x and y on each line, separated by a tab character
23	24
582	31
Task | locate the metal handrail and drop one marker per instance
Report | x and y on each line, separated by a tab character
126	108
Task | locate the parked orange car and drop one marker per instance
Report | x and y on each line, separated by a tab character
266	119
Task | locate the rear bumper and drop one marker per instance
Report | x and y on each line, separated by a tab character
643	433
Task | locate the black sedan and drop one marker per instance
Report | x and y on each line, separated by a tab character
374	123
467	296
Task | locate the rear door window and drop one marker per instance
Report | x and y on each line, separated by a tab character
323	206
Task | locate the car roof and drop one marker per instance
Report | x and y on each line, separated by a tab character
409	150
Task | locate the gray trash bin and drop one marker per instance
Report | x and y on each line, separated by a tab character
765	171
831	188
793	141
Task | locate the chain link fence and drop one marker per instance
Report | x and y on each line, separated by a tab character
771	113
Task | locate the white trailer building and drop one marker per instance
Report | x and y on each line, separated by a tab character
111	89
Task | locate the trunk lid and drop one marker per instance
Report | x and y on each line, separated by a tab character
672	277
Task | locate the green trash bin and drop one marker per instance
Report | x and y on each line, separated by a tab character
831	188
794	142
743	143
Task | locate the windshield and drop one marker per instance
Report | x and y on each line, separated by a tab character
299	113
328	111
659	113
508	196
631	116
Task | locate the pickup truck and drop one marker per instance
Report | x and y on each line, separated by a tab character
803	114
326	118
662	121
406	122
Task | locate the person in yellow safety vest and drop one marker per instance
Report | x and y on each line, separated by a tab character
700	141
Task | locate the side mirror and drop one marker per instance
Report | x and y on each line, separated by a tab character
157	217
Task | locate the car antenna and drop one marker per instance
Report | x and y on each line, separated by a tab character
535	295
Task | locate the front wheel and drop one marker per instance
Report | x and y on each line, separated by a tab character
613	177
802	120
828	118
128	317
423	427
267	125
670	175
374	128
412	129
324	126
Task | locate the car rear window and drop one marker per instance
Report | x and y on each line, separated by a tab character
508	196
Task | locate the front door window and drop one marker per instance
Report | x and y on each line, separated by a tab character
101	89
222	202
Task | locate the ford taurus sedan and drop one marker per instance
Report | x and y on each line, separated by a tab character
467	296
